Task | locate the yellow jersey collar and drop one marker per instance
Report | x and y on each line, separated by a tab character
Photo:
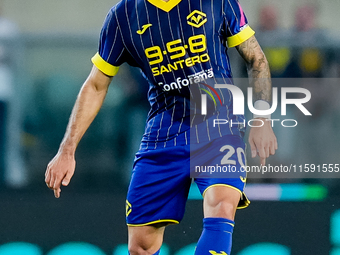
165	6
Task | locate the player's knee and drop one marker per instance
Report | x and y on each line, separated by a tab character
143	245
135	249
222	208
145	240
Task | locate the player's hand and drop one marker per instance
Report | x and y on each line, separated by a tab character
59	172
262	141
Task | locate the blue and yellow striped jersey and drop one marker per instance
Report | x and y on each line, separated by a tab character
181	48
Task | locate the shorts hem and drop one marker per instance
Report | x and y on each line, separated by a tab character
170	221
221	184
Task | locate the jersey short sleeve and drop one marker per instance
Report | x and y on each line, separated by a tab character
237	28
111	48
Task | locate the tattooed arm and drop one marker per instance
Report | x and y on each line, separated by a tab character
258	68
262	139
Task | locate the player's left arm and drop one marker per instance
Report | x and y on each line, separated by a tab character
262	140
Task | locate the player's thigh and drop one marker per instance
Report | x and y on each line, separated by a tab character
221	201
145	239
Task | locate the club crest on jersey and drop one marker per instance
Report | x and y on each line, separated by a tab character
197	18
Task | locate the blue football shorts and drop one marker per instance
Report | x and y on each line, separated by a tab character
161	178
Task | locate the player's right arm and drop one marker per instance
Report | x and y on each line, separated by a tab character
90	99
111	54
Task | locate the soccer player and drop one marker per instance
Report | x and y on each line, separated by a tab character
181	48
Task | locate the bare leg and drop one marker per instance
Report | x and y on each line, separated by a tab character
221	201
145	240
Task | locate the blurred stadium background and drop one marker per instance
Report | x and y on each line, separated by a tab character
45	51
